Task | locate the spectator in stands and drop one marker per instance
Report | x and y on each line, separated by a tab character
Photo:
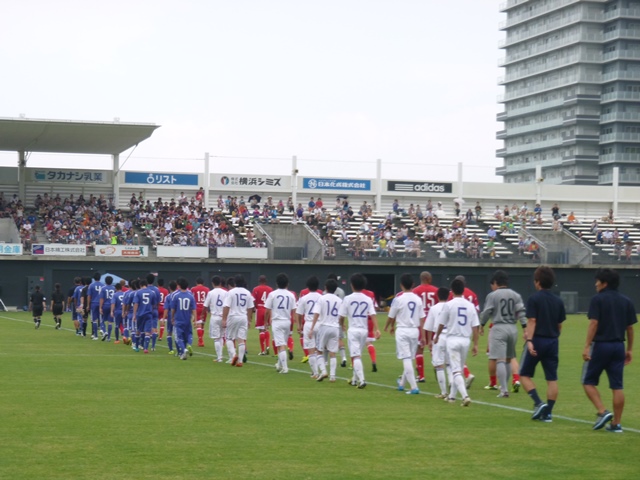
396	208
491	247
555	212
609	218
478	210
534	248
537	210
628	250
200	196
571	218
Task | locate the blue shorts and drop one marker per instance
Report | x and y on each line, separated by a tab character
169	327
608	357
118	318
95	312
183	330
106	314
547	354
144	323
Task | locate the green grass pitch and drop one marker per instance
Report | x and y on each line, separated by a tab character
73	408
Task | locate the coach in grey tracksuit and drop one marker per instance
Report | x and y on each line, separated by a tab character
505	307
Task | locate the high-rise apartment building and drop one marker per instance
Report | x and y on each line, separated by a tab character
572	91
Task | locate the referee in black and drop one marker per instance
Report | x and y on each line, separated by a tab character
611	315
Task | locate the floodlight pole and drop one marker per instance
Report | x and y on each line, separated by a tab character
616	190
116	179
22	172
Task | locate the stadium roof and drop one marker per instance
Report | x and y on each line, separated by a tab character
70	136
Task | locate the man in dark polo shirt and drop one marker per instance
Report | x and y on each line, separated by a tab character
545	314
611	314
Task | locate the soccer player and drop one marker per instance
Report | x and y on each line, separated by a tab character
37	305
214	305
428	293
505	307
304	312
611	315
340	294
57	305
280	305
545	314
106	297
155	314
167	317
93	301
371	337
461	319
471	296
439	358
116	310
406	316
327	325
183	314
200	294
260	294
237	310
161	317
86	308
356	309
128	334
143	305
77	305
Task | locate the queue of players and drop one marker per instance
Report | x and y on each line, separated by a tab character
446	321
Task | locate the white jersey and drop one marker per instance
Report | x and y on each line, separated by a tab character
306	305
215	301
459	316
356	308
328	310
407	310
432	322
239	300
281	302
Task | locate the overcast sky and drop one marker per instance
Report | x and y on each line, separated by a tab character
412	82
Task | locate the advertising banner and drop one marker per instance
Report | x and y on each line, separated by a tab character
419	187
159	178
182	252
256	183
59	250
336	184
10	249
243	252
129	251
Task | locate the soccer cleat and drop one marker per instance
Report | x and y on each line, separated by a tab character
94	338
78	333
602	419
516	386
290	355
262	354
152	349
38	324
469	380
266	351
172	352
400	388
305	359
239	364
244	358
190	350
278	367
413	391
116	342
617	428
503	395
361	385
466	402
352	383
218	360
491	387
441	395
547	418
421	380
322	376
234	360
343	363
539	411
450	400
332	379
183	356
201	344
374	367
104	337
135	349
145	351
101	333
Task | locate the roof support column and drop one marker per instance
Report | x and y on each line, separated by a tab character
22	177
116	180
616	189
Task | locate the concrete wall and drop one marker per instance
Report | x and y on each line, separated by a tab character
8	231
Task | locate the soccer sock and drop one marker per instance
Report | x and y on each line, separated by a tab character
290	344
241	350
262	343
458	380
442	381
147	339
154	339
550	403
372	353
408	373
109	329
137	338
507	366
306	352
321	365
343	354
333	363
420	365
218	345
161	332
282	358
267	340
516	378
126	333
170	342
273	346
200	332
313	363
466	372
189	338
94	329
493	380
231	349
180	345
117	332
357	369
533	393
84	328
501	370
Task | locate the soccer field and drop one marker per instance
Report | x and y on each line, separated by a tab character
74	408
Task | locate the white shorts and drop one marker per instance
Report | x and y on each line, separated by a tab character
236	328
357	338
457	349
328	339
439	352
215	327
309	342
280	330
406	343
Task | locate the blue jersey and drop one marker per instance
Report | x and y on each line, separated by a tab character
128	302
184	304
145	299
77	296
106	294
167	305
156	299
94	292
118	299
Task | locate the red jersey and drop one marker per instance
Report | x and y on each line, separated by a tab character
200	294
470	295
372	296
428	294
304	292
260	294
163	294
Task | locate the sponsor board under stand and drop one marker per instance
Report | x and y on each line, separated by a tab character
59	250
419	187
122	251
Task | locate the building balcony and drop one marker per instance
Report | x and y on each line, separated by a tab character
552	85
532	127
579	37
531	14
509	4
564	22
501	152
620	137
501	134
534	145
621	75
622	13
620	117
621	55
618	96
537	107
549	66
609	158
501	116
621	33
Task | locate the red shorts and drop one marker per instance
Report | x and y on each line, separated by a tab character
200	314
371	336
260	318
